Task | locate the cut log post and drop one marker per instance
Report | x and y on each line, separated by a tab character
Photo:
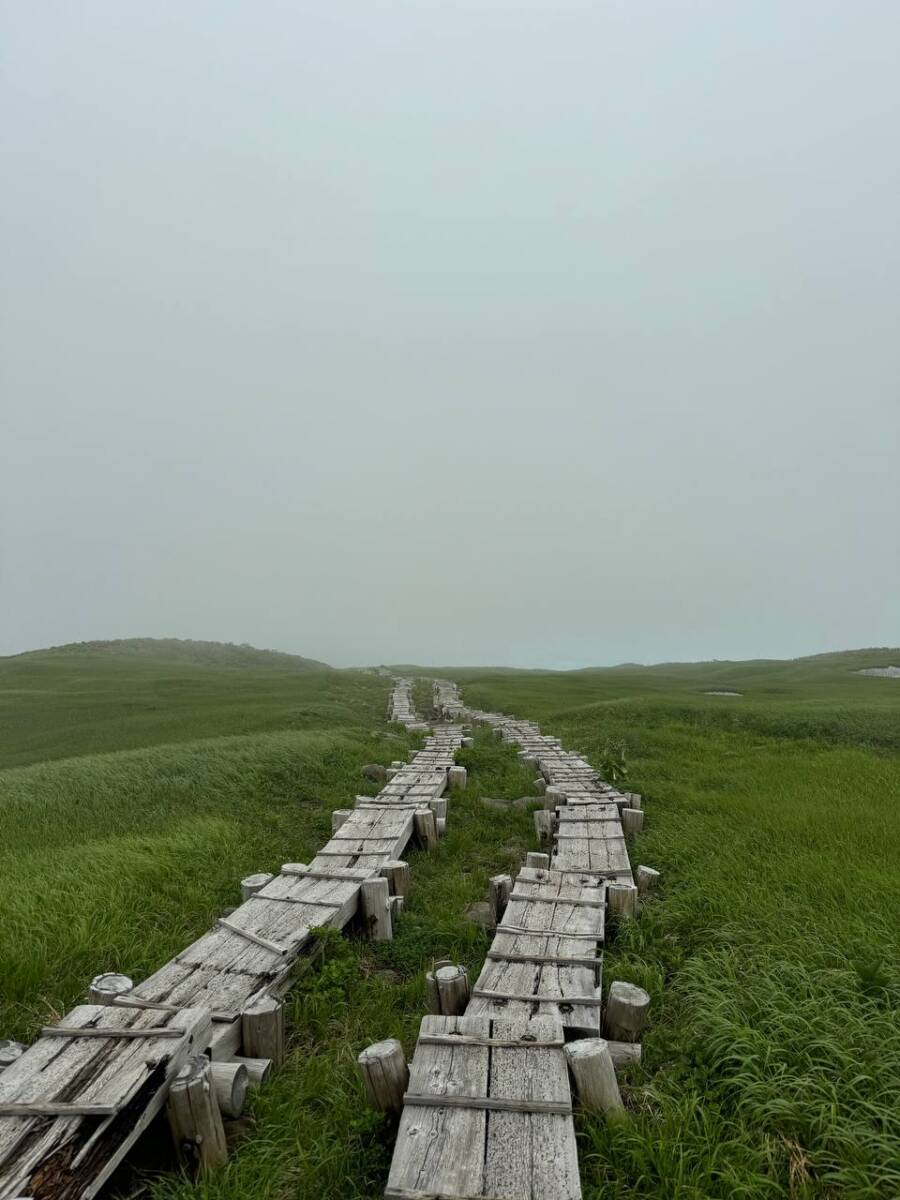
632	821
338	817
375	902
251	884
499	887
543	824
230	1081
541	861
262	1030
10	1051
441	826
432	999
194	1116
426	829
439	807
554	798
105	988
258	1070
621	898
453	989
626	1011
397	903
647	879
467	743
385	1075
623	1054
456	777
634	799
396	872
592	1069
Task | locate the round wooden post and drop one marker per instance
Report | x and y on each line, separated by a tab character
262	1029
432	999
456	777
375	902
105	988
439	807
634	799
230	1081
441	826
632	821
194	1116
647	879
623	1054
384	1074
541	861
467	743
594	1074
9	1052
338	817
554	798
453	989
626	1011
396	872
499	887
258	1070
251	884
621	898
425	827
543	824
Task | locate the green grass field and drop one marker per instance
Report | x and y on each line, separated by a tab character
139	783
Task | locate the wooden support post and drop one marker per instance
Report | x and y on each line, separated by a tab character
499	887
396	872
9	1052
441	826
258	1070
632	821
439	807
541	861
626	1011
540	785
595	1076
621	898
375	903
634	799
467	743
252	884
432	999
396	903
426	829
105	988
230	1081
385	1075
647	879
456	777
623	1054
453	989
338	817
194	1116
554	799
543	824
262	1030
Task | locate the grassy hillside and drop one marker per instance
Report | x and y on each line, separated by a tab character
773	952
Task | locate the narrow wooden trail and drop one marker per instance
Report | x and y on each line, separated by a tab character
488	1110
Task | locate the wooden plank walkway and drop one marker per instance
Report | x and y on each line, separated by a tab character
61	1154
541	981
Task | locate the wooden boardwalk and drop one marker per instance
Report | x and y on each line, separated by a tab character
72	1105
488	1111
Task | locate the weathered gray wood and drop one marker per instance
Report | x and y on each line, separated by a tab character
194	1116
262	1028
541	861
499	888
113	1034
104	989
624	1054
456	777
622	899
258	1070
627	1006
646	879
251	884
426	829
432	997
375	903
339	817
9	1052
453	989
230	1081
543	824
384	1074
632	821
592	1069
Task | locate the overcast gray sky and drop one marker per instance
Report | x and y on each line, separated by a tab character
452	331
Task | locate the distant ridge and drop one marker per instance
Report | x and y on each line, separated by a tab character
228	654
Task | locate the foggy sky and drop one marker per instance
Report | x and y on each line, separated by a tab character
452	331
